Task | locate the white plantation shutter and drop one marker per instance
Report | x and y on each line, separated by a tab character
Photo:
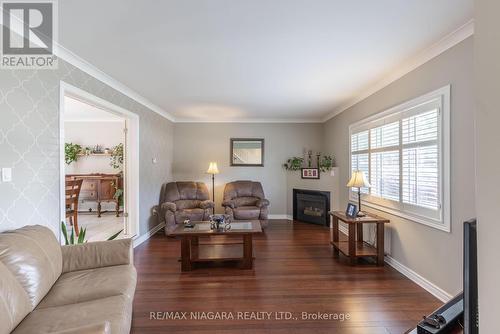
401	154
421	160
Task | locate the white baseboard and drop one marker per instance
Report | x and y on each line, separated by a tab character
423	282
140	239
412	275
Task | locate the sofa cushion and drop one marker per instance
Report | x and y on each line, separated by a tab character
33	255
85	285
117	310
14	301
246	212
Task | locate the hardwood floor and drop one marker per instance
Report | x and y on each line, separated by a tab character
294	272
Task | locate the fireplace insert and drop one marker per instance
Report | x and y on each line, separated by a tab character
311	206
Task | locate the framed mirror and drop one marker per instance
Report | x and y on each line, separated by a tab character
247	152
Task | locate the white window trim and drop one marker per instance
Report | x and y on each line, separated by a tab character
444	223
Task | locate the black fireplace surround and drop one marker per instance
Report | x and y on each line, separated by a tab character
311	206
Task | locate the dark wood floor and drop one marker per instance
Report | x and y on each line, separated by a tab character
294	272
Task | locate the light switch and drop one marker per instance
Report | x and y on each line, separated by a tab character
6	174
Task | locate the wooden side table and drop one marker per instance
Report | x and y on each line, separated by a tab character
353	245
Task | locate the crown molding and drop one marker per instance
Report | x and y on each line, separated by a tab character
90	69
251	120
409	65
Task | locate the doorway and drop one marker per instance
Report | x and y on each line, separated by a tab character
99	167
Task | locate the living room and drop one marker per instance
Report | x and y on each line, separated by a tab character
284	167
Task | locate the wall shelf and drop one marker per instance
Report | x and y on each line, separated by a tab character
94	155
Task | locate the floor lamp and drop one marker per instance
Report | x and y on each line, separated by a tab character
358	180
212	169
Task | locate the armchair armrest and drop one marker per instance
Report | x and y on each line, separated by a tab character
97	254
102	328
261	203
168	206
228	203
207	204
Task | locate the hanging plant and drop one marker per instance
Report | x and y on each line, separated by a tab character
326	163
71	152
117	157
294	163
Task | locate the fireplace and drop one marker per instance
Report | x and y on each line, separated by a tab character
311	206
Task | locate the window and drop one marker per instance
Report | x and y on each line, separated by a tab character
404	152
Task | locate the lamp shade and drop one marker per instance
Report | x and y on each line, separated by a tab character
358	180
212	168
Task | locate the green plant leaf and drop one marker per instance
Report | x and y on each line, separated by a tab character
81	236
115	235
65	233
72	237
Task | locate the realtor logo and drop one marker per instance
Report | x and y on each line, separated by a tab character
28	34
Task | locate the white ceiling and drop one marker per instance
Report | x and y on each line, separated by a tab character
229	60
78	111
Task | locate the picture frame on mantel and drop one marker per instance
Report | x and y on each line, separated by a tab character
310	173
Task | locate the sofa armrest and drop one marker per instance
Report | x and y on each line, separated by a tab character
262	203
102	328
228	203
168	206
97	254
207	204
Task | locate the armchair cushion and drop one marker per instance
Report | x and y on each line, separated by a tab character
168	206
246	212
207	204
191	214
262	203
228	203
97	254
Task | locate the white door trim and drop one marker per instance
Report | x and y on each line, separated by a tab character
131	157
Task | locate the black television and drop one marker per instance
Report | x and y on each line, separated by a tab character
471	311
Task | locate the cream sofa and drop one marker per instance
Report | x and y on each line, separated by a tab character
48	288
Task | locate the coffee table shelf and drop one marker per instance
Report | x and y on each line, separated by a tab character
216	252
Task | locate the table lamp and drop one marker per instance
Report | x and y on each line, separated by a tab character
358	180
212	169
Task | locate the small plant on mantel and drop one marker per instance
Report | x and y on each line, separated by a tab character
326	163
294	163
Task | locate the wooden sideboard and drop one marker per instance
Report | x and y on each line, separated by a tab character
99	188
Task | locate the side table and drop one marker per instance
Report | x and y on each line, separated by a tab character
353	245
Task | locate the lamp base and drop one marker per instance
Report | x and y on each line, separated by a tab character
361	214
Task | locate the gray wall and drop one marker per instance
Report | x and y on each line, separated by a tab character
434	254
29	143
487	83
196	144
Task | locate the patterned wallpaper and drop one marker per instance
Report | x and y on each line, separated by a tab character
29	144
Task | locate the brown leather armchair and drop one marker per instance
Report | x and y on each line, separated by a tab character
184	200
245	200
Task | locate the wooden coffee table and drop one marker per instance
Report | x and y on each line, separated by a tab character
193	252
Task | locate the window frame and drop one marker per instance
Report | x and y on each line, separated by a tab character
397	208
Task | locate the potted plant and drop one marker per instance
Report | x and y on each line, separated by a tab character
294	163
71	152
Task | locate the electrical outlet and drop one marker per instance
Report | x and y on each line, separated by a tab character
6	174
